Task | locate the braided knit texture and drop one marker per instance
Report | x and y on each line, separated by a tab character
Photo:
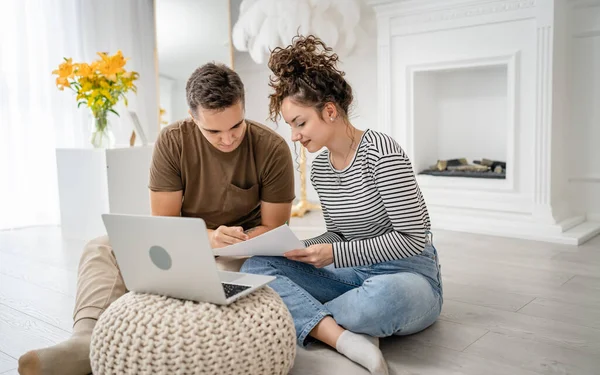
150	334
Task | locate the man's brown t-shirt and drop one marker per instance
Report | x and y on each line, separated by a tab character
223	188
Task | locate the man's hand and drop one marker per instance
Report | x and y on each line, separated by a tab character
225	236
319	255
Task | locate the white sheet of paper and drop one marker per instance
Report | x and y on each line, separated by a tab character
272	243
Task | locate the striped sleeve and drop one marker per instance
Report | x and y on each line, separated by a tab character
332	235
327	237
397	186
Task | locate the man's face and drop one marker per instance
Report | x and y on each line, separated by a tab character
225	128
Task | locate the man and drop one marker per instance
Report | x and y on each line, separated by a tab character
233	173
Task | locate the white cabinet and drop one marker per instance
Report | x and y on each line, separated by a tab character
96	181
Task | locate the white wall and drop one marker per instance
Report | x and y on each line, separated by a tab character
180	107
189	33
561	209
173	100
361	73
584	130
165	101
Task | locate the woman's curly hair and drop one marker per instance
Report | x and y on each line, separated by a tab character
306	70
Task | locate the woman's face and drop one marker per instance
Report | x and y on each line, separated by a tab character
308	128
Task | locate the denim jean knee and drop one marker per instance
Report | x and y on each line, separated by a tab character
388	304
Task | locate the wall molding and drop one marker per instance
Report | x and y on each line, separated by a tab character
543	115
412	12
465	12
384	87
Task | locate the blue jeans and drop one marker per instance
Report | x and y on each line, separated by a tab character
400	297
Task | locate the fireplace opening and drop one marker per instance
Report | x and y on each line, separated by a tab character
484	168
460	122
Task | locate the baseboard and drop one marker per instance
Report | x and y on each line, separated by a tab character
571	223
574	231
584	232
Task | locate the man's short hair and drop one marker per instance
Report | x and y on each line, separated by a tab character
215	87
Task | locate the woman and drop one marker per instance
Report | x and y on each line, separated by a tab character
375	272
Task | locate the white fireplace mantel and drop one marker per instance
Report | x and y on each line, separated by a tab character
428	49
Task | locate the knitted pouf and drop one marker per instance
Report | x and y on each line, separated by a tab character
150	334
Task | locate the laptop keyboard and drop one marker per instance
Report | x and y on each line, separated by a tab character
233	289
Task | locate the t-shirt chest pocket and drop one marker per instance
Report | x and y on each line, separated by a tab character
241	201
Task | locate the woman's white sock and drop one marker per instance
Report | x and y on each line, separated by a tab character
363	350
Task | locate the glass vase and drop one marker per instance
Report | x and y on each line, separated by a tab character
102	135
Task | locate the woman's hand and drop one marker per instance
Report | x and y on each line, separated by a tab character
319	255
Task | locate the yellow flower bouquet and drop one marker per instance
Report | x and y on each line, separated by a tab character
99	85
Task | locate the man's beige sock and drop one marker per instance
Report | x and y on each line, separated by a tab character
71	357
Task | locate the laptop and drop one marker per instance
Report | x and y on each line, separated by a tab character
172	256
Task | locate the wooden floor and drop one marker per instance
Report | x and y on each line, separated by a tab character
511	306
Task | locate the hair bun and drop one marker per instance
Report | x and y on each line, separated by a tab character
290	65
304	54
307	66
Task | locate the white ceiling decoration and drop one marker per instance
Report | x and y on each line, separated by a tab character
190	33
265	24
